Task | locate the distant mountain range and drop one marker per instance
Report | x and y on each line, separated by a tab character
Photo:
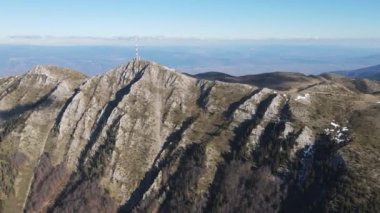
372	72
288	80
272	80
292	81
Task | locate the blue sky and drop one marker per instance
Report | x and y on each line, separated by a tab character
223	19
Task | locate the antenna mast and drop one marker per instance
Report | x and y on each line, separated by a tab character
137	57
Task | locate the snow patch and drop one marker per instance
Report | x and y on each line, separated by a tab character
339	138
337	133
303	98
335	125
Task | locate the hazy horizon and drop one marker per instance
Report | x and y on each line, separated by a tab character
231	58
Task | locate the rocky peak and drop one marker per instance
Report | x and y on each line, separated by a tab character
58	73
143	137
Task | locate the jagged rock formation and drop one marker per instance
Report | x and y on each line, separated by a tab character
145	138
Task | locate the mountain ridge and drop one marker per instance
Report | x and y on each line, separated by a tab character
371	73
143	137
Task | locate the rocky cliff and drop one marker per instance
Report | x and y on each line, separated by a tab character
145	138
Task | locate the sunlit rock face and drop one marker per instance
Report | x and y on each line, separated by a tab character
145	138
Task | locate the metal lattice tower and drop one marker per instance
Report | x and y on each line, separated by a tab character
137	56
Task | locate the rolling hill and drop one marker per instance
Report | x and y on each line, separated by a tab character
372	73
